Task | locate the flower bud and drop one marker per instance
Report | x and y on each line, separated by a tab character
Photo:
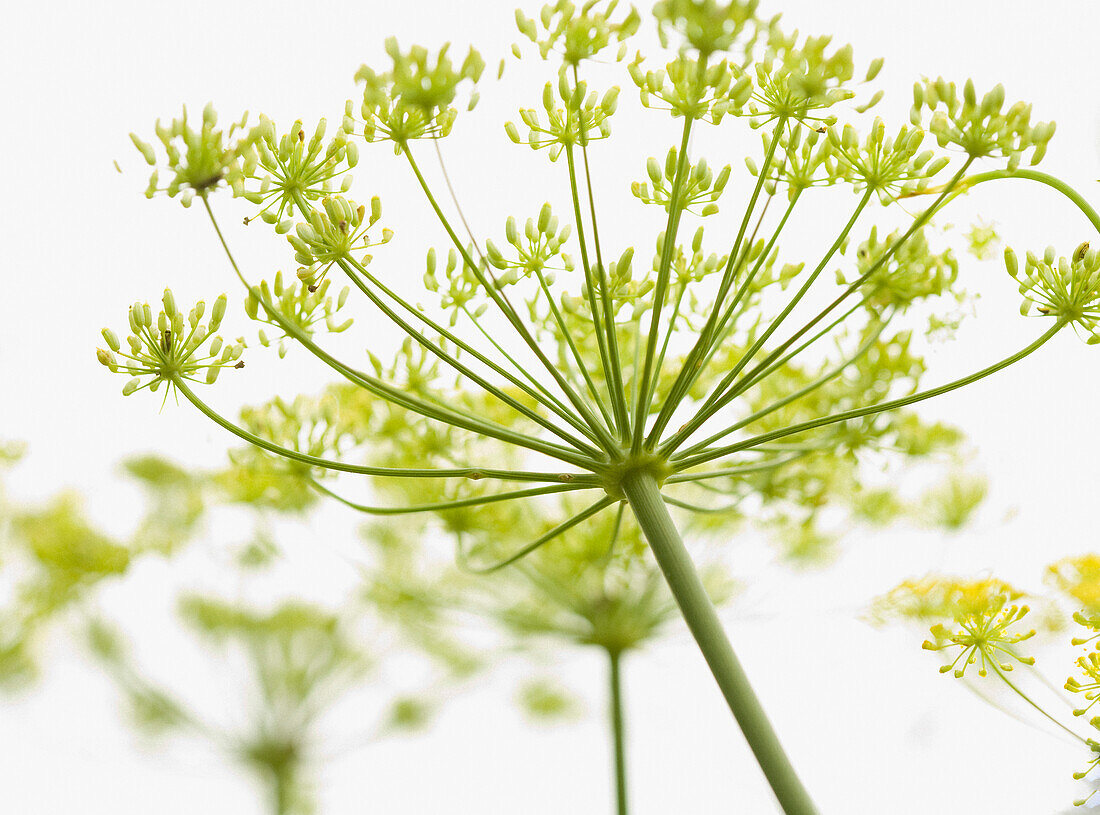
145	148
111	339
218	312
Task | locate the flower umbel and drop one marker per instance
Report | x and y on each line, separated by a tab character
304	307
200	159
170	348
983	637
415	99
332	234
297	171
980	128
1065	288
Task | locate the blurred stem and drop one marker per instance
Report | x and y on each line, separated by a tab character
281	794
645	499
614	658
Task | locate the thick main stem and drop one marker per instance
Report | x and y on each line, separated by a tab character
649	508
615	703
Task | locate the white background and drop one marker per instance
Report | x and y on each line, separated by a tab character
870	724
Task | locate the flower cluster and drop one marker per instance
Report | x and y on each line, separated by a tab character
937	597
981	128
573	117
332	233
296	171
578	34
1088	685
413	100
689	86
700	187
801	82
541	241
888	165
983	636
170	348
706	26
462	286
908	273
200	159
1079	578
304	307
803	160
1065	288
305	425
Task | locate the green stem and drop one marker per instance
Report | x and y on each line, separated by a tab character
1030	175
600	319
692	369
281	793
615	680
510	314
792	397
725	391
443	506
545	398
472	473
451	360
857	413
645	499
463	559
1029	700
617	386
644	393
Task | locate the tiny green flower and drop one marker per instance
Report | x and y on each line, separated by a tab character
172	347
983	240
